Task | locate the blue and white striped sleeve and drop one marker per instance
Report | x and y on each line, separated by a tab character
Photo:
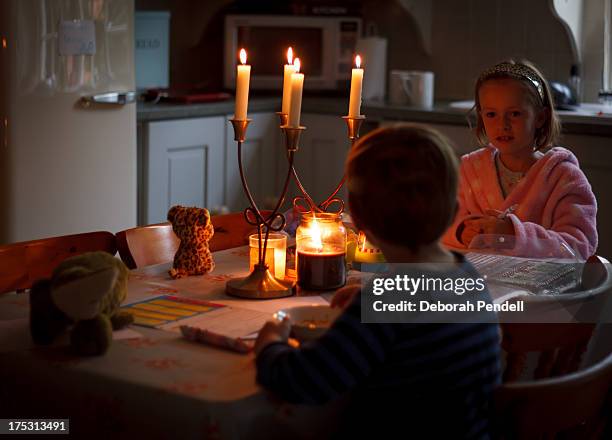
326	368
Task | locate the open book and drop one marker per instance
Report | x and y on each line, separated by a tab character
534	275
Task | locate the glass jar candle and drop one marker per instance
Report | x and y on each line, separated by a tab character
276	251
321	251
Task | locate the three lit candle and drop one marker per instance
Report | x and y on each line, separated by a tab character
293	86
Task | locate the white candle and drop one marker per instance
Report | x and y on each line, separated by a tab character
356	83
297	85
289	70
242	88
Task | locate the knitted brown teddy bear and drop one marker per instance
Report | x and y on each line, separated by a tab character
193	227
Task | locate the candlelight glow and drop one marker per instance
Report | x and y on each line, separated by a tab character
297	65
290	56
358	61
315	233
243	56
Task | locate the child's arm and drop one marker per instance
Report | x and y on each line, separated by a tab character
324	369
573	223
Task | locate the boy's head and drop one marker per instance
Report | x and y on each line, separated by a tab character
402	183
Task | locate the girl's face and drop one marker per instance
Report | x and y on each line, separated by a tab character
510	119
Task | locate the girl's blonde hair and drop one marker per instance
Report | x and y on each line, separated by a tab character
538	92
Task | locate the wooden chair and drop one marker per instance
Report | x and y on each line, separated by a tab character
231	230
154	244
572	406
557	330
21	264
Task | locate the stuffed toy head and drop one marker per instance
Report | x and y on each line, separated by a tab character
193	227
83	295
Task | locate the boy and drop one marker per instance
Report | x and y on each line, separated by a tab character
429	380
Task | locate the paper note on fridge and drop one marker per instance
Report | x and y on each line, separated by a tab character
77	37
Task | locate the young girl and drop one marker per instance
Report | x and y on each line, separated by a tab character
511	186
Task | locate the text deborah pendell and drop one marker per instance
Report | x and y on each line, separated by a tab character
439	306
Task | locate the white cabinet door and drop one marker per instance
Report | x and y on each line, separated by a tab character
320	159
261	154
183	165
461	137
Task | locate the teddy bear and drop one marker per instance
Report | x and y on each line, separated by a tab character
84	295
194	229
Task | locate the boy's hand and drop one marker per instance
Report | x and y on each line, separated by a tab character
272	331
344	296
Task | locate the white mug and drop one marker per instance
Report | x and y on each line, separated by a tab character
411	87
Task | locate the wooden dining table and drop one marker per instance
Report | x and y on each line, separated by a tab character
154	383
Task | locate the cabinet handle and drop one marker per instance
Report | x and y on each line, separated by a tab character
110	98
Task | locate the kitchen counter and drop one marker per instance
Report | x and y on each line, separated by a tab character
442	113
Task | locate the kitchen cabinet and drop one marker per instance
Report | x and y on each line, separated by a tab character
182	163
261	155
460	136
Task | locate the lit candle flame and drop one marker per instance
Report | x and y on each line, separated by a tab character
316	235
297	65
358	61
243	56
290	56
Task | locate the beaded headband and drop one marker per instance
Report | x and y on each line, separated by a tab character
519	71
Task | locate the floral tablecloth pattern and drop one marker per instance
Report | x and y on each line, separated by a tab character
151	383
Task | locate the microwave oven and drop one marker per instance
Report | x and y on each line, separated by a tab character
325	46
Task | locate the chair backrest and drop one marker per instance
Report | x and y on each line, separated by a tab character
154	244
21	264
557	330
576	405
231	230
147	245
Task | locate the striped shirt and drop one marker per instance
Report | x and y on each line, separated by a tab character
430	380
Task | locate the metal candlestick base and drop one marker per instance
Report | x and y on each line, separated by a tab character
260	284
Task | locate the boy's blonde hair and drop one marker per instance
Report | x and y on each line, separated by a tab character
537	90
402	183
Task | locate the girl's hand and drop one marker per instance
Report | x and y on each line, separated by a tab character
344	296
272	331
490	225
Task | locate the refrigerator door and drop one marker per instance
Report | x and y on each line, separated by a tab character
68	162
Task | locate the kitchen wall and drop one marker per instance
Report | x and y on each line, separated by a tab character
469	35
464	37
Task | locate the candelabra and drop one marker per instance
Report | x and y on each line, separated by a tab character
260	283
353	126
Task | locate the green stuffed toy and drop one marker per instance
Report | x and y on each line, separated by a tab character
84	294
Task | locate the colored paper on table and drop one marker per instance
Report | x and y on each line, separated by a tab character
169	312
160	311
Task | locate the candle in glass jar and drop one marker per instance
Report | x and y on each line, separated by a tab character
323	270
276	253
321	252
289	70
356	85
243	78
295	105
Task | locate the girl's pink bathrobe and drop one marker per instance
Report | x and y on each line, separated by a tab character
554	202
